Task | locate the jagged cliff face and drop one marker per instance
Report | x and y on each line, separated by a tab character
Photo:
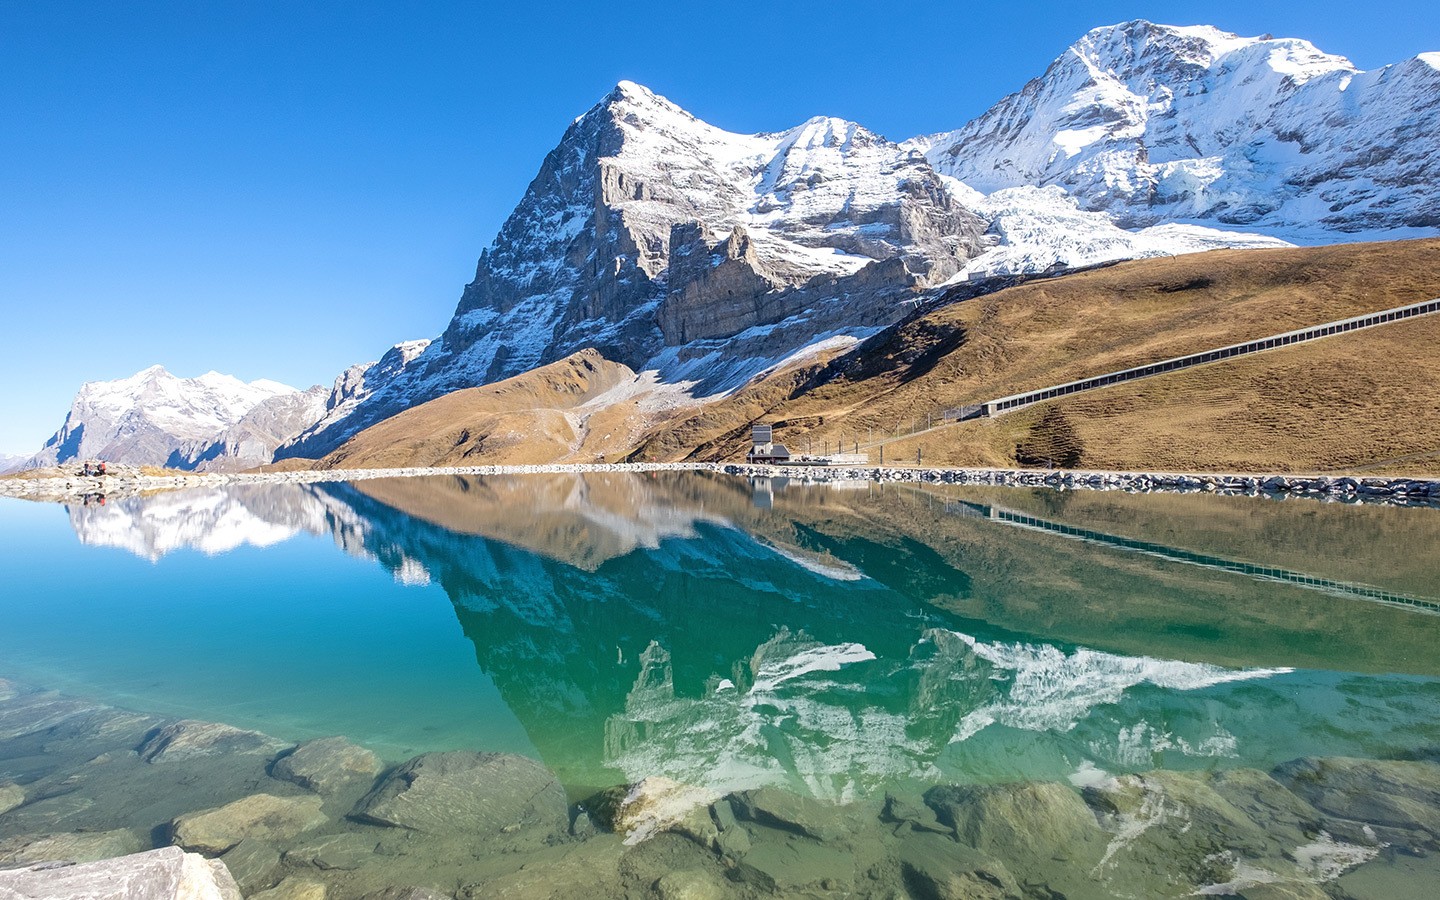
648	228
352	387
1154	123
657	238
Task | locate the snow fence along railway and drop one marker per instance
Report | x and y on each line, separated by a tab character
1315	332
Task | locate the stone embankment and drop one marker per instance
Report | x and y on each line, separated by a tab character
1395	491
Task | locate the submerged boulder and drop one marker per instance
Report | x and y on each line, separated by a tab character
25	714
80	846
465	792
792	812
655	804
328	765
262	817
1397	800
335	851
935	869
189	738
165	874
11	796
293	889
252	862
1036	820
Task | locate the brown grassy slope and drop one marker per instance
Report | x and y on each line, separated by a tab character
1333	405
530	418
1053	331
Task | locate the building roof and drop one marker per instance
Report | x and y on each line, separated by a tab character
778	451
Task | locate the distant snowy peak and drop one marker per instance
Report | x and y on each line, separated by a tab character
1155	123
145	418
154	392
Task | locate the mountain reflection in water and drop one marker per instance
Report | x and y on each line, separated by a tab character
730	634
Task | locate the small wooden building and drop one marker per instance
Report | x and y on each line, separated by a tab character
764	450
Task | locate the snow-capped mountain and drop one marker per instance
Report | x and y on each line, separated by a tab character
701	257
704	256
148	417
211	423
1156	123
648	229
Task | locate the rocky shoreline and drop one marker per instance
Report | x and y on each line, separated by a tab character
1344	488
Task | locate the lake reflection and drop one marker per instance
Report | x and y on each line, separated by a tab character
833	640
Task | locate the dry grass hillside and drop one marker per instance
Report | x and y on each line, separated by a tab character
556	413
1335	404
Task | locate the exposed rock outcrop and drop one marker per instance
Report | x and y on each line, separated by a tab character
165	874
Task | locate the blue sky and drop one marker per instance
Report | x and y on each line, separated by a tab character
280	189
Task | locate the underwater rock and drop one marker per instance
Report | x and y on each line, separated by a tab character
189	738
252	862
165	874
689	884
335	851
589	870
935	869
582	826
11	796
1015	821
26	714
1284	890
327	765
1266	802
293	889
472	793
1174	833
78	847
658	804
792	812
1398	799
789	863
916	815
1042	832
406	893
262	817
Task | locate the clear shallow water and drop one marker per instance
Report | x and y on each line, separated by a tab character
834	641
